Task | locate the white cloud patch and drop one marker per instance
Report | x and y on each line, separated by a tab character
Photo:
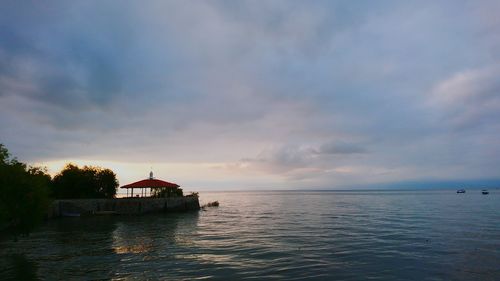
469	98
300	162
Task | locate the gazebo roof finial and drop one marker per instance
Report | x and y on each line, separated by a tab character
151	175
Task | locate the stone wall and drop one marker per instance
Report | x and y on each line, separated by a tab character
121	206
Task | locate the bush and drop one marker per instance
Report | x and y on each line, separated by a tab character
193	194
167	192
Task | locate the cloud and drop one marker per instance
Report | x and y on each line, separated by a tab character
341	148
299	162
324	93
469	98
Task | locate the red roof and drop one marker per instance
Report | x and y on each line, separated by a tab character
151	183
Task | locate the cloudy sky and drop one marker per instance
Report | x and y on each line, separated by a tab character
256	94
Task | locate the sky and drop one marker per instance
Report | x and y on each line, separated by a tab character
256	94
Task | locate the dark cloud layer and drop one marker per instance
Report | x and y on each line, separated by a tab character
323	93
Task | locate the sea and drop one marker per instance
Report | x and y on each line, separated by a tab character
275	235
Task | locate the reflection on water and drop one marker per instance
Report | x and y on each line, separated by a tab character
275	235
151	234
18	267
95	247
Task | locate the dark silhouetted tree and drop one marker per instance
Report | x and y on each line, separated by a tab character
23	194
87	182
167	192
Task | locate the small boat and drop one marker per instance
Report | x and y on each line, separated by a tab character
484	191
461	191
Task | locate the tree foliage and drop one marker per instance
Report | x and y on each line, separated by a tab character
24	190
87	182
167	192
23	194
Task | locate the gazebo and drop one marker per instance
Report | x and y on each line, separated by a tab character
151	184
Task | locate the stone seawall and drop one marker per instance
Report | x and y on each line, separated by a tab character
121	206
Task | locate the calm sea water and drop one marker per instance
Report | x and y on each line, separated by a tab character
384	235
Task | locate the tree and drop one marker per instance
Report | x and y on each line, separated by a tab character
167	192
87	182
23	194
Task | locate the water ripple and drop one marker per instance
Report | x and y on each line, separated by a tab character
277	235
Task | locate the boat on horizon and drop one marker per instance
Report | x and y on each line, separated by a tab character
484	191
461	191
